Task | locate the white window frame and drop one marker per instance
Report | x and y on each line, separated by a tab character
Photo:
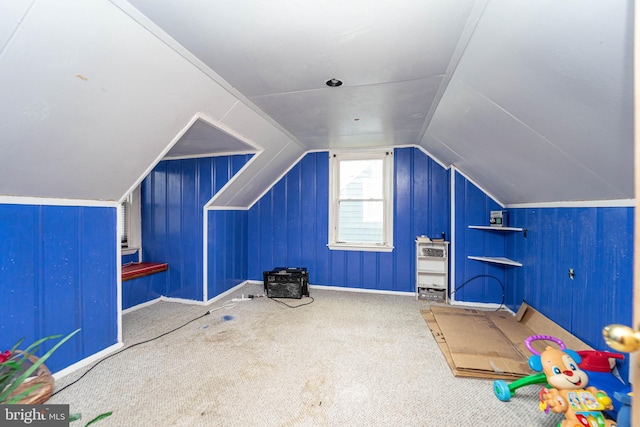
134	222
334	191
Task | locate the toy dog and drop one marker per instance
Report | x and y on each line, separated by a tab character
568	392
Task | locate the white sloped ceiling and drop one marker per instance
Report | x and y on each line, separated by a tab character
92	99
540	107
532	100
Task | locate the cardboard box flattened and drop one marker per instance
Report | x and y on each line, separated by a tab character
488	344
476	343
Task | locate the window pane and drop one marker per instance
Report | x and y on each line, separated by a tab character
361	179
361	221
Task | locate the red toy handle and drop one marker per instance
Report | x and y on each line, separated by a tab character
533	338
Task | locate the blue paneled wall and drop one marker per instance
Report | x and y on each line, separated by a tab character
595	242
173	198
476	281
227	250
288	226
57	274
59	263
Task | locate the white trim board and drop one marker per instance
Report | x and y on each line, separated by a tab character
47	201
363	290
141	305
208	155
630	203
209	205
482	306
452	238
226	293
495	199
88	360
425	151
345	289
211	122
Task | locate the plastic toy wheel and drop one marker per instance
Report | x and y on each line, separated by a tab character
501	390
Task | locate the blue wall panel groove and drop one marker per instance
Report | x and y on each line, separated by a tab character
58	274
227	241
288	226
173	198
597	243
476	281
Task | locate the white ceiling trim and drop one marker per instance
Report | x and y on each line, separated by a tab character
472	23
212	154
471	180
211	204
159	158
47	201
198	116
10	15
623	203
425	151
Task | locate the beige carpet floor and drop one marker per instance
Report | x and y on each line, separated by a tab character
347	359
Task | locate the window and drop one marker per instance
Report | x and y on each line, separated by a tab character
361	200
129	222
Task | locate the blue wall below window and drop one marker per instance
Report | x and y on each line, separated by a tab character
57	274
173	198
288	226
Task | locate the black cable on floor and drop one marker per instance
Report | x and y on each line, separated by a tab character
127	348
293	306
466	282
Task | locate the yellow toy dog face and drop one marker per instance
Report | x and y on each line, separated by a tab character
562	370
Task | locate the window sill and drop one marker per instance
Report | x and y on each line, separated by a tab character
362	248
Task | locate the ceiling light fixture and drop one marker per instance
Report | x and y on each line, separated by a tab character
334	82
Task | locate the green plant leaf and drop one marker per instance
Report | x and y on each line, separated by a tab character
16	399
15	347
75	417
13	365
36	345
16	383
98	418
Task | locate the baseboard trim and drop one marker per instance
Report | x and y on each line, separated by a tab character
88	361
362	290
141	305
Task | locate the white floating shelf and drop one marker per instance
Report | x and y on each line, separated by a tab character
488	227
496	260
